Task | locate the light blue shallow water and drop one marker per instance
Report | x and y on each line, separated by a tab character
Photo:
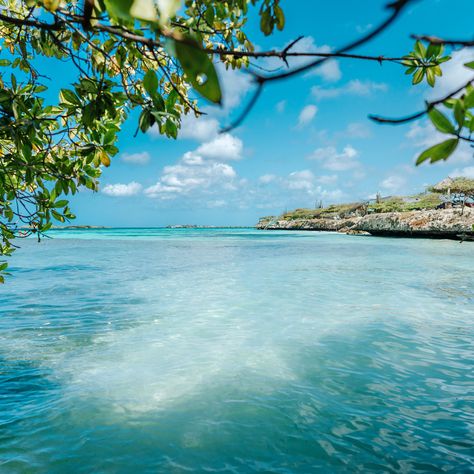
126	351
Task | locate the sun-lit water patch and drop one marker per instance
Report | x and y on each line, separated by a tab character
236	351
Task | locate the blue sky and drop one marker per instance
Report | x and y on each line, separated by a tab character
308	139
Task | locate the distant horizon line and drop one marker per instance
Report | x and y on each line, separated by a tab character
170	226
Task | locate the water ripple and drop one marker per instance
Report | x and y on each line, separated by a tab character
237	351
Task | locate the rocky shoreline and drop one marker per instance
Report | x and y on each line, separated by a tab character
435	223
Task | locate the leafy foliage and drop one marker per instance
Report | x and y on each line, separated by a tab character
422	201
418	202
128	54
458	185
424	62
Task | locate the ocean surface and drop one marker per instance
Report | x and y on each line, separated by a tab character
236	351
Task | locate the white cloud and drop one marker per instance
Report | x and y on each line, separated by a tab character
329	70
358	130
355	87
467	172
359	174
327	179
122	190
333	160
423	134
301	180
198	128
222	147
281	106
307	114
267	178
235	86
301	188
201	171
393	183
182	179
136	158
217	203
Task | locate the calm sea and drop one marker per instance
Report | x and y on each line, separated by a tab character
236	351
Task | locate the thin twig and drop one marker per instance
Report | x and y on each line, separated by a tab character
417	115
448	42
250	105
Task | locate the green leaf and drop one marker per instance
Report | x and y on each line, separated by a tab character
62	203
469	100
57	216
440	121
144	122
420	49
171	129
142	9
69	97
438	152
443	59
430	77
109	137
3	266
51	5
266	23
459	112
280	17
104	158
159	103
46	227
150	82
209	15
433	50
418	76
470	65
449	103
168	9
119	8
199	69
88	114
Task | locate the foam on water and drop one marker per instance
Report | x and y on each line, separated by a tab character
236	351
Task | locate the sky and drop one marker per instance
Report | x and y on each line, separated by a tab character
308	140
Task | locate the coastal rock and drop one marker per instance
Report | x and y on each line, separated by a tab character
432	223
436	223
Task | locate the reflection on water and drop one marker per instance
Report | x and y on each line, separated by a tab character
236	351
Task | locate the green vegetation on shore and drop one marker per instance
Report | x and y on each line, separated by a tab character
448	192
423	201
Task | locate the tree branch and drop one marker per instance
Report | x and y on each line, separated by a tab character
449	42
397	7
417	115
34	23
248	108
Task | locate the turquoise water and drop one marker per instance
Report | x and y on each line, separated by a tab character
235	351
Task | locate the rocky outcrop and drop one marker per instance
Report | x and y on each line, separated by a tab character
442	223
433	223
